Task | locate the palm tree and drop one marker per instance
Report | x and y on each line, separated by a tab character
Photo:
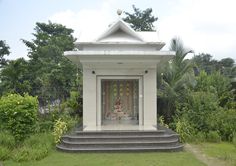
175	78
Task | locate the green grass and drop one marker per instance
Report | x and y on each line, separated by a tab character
113	159
223	151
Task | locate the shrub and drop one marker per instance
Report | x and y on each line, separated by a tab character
199	137
162	122
73	105
44	126
18	114
7	140
4	153
185	130
60	127
213	136
226	123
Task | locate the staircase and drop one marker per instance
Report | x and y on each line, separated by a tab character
163	139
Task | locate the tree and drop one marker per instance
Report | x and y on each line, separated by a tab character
52	74
227	62
176	77
205	62
227	67
4	50
141	20
14	77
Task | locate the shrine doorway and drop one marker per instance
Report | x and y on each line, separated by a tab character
120	102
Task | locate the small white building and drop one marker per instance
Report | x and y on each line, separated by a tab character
119	78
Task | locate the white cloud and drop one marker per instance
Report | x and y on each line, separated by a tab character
204	25
87	23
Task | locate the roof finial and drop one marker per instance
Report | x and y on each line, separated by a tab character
119	12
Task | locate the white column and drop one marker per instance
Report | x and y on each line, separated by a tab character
149	98
89	100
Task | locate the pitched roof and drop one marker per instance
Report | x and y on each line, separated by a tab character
119	31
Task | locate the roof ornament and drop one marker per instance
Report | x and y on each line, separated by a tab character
119	12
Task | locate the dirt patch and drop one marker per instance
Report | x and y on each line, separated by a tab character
210	161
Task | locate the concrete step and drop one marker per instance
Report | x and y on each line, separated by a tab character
106	138
113	133
174	148
120	141
119	144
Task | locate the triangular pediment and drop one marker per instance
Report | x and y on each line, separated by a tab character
119	31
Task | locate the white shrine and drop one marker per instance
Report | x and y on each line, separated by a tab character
119	78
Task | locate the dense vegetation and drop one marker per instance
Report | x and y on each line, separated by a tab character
38	95
197	97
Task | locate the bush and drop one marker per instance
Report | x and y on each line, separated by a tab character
161	121
213	136
18	115
44	126
7	140
73	105
60	127
226	123
199	137
4	153
185	130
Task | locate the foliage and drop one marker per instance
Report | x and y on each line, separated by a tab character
47	74
45	126
60	127
15	77
73	104
4	153
202	113
4	50
234	140
213	136
18	115
199	137
184	129
52	75
216	83
204	62
202	107
46	121
36	147
7	143
141	20
225	123
161	121
198	110
176	77
7	140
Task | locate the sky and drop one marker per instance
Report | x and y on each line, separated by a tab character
205	26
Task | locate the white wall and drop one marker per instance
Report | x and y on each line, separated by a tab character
91	105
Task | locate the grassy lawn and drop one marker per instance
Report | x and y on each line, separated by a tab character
222	151
114	159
